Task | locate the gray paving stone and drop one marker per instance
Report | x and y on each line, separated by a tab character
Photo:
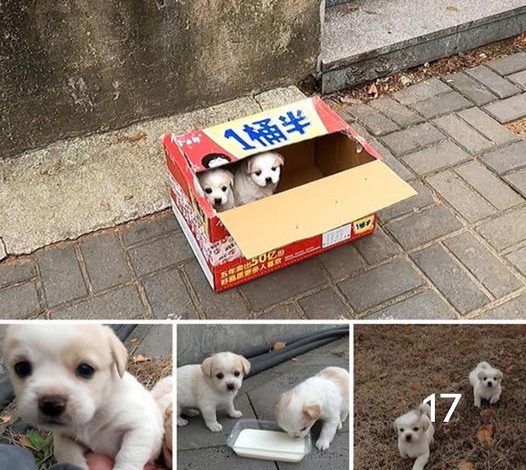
509	64
343	261
514	309
426	305
104	259
61	275
470	88
486	183
218	458
372	119
149	227
450	279
483	264
380	284
225	305
155	340
471	205
412	138
401	170
325	304
519	78
16	270
465	135
518	259
121	304
509	109
518	180
442	104
377	247
413	204
493	81
19	302
159	254
487	126
423	227
283	311
284	284
437	157
505	230
398	113
421	91
507	158
168	296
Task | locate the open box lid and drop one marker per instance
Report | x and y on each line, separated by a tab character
314	208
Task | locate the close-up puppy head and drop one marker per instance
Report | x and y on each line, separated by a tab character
411	426
264	168
293	416
61	374
226	371
490	377
217	186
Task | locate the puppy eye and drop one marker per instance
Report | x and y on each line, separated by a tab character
224	188
220	375
23	369
415	428
303	429
401	429
258	173
237	373
208	190
274	168
85	371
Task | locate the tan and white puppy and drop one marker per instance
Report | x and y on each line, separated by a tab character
415	435
163	395
72	380
323	397
257	177
486	383
217	185
209	387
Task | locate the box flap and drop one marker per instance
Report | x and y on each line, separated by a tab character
314	208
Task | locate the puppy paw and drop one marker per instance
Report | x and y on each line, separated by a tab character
322	444
214	427
181	421
493	400
235	414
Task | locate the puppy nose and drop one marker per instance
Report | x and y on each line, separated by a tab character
218	200
268	179
52	405
490	384
408	438
230	386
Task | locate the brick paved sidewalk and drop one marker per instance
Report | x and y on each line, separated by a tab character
457	250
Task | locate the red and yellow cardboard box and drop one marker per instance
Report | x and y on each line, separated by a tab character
331	187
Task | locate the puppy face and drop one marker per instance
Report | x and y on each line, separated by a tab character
265	169
293	416
62	374
217	186
226	371
411	427
490	377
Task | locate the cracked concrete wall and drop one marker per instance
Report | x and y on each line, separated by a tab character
72	67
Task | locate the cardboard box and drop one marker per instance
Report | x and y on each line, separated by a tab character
331	186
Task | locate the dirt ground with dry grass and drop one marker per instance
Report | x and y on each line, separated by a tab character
398	366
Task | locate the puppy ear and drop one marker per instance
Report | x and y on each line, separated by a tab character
481	374
119	353
279	159
245	364
425	424
248	166
313	412
206	366
395	425
498	374
283	400
230	179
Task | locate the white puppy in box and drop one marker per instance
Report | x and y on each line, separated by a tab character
217	185
209	387
485	381
323	397
415	435
257	177
72	380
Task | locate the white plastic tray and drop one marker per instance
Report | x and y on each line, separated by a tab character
267	441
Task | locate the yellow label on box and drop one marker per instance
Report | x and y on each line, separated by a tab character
363	225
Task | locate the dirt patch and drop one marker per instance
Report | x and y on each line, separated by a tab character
518	127
398	366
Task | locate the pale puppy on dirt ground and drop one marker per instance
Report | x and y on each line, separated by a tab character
72	380
217	185
415	435
323	397
209	387
257	177
486	383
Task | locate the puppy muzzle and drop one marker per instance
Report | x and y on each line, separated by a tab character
231	387
490	384
52	406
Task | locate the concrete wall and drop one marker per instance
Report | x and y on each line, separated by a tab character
70	67
196	342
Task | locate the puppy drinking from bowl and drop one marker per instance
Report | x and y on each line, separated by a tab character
257	177
209	387
72	380
486	383
323	397
217	185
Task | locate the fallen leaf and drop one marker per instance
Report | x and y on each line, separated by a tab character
140	359
451	8
416	387
465	465
278	345
372	91
5	419
485	434
405	80
132	138
25	442
295	359
487	413
408	329
127	197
